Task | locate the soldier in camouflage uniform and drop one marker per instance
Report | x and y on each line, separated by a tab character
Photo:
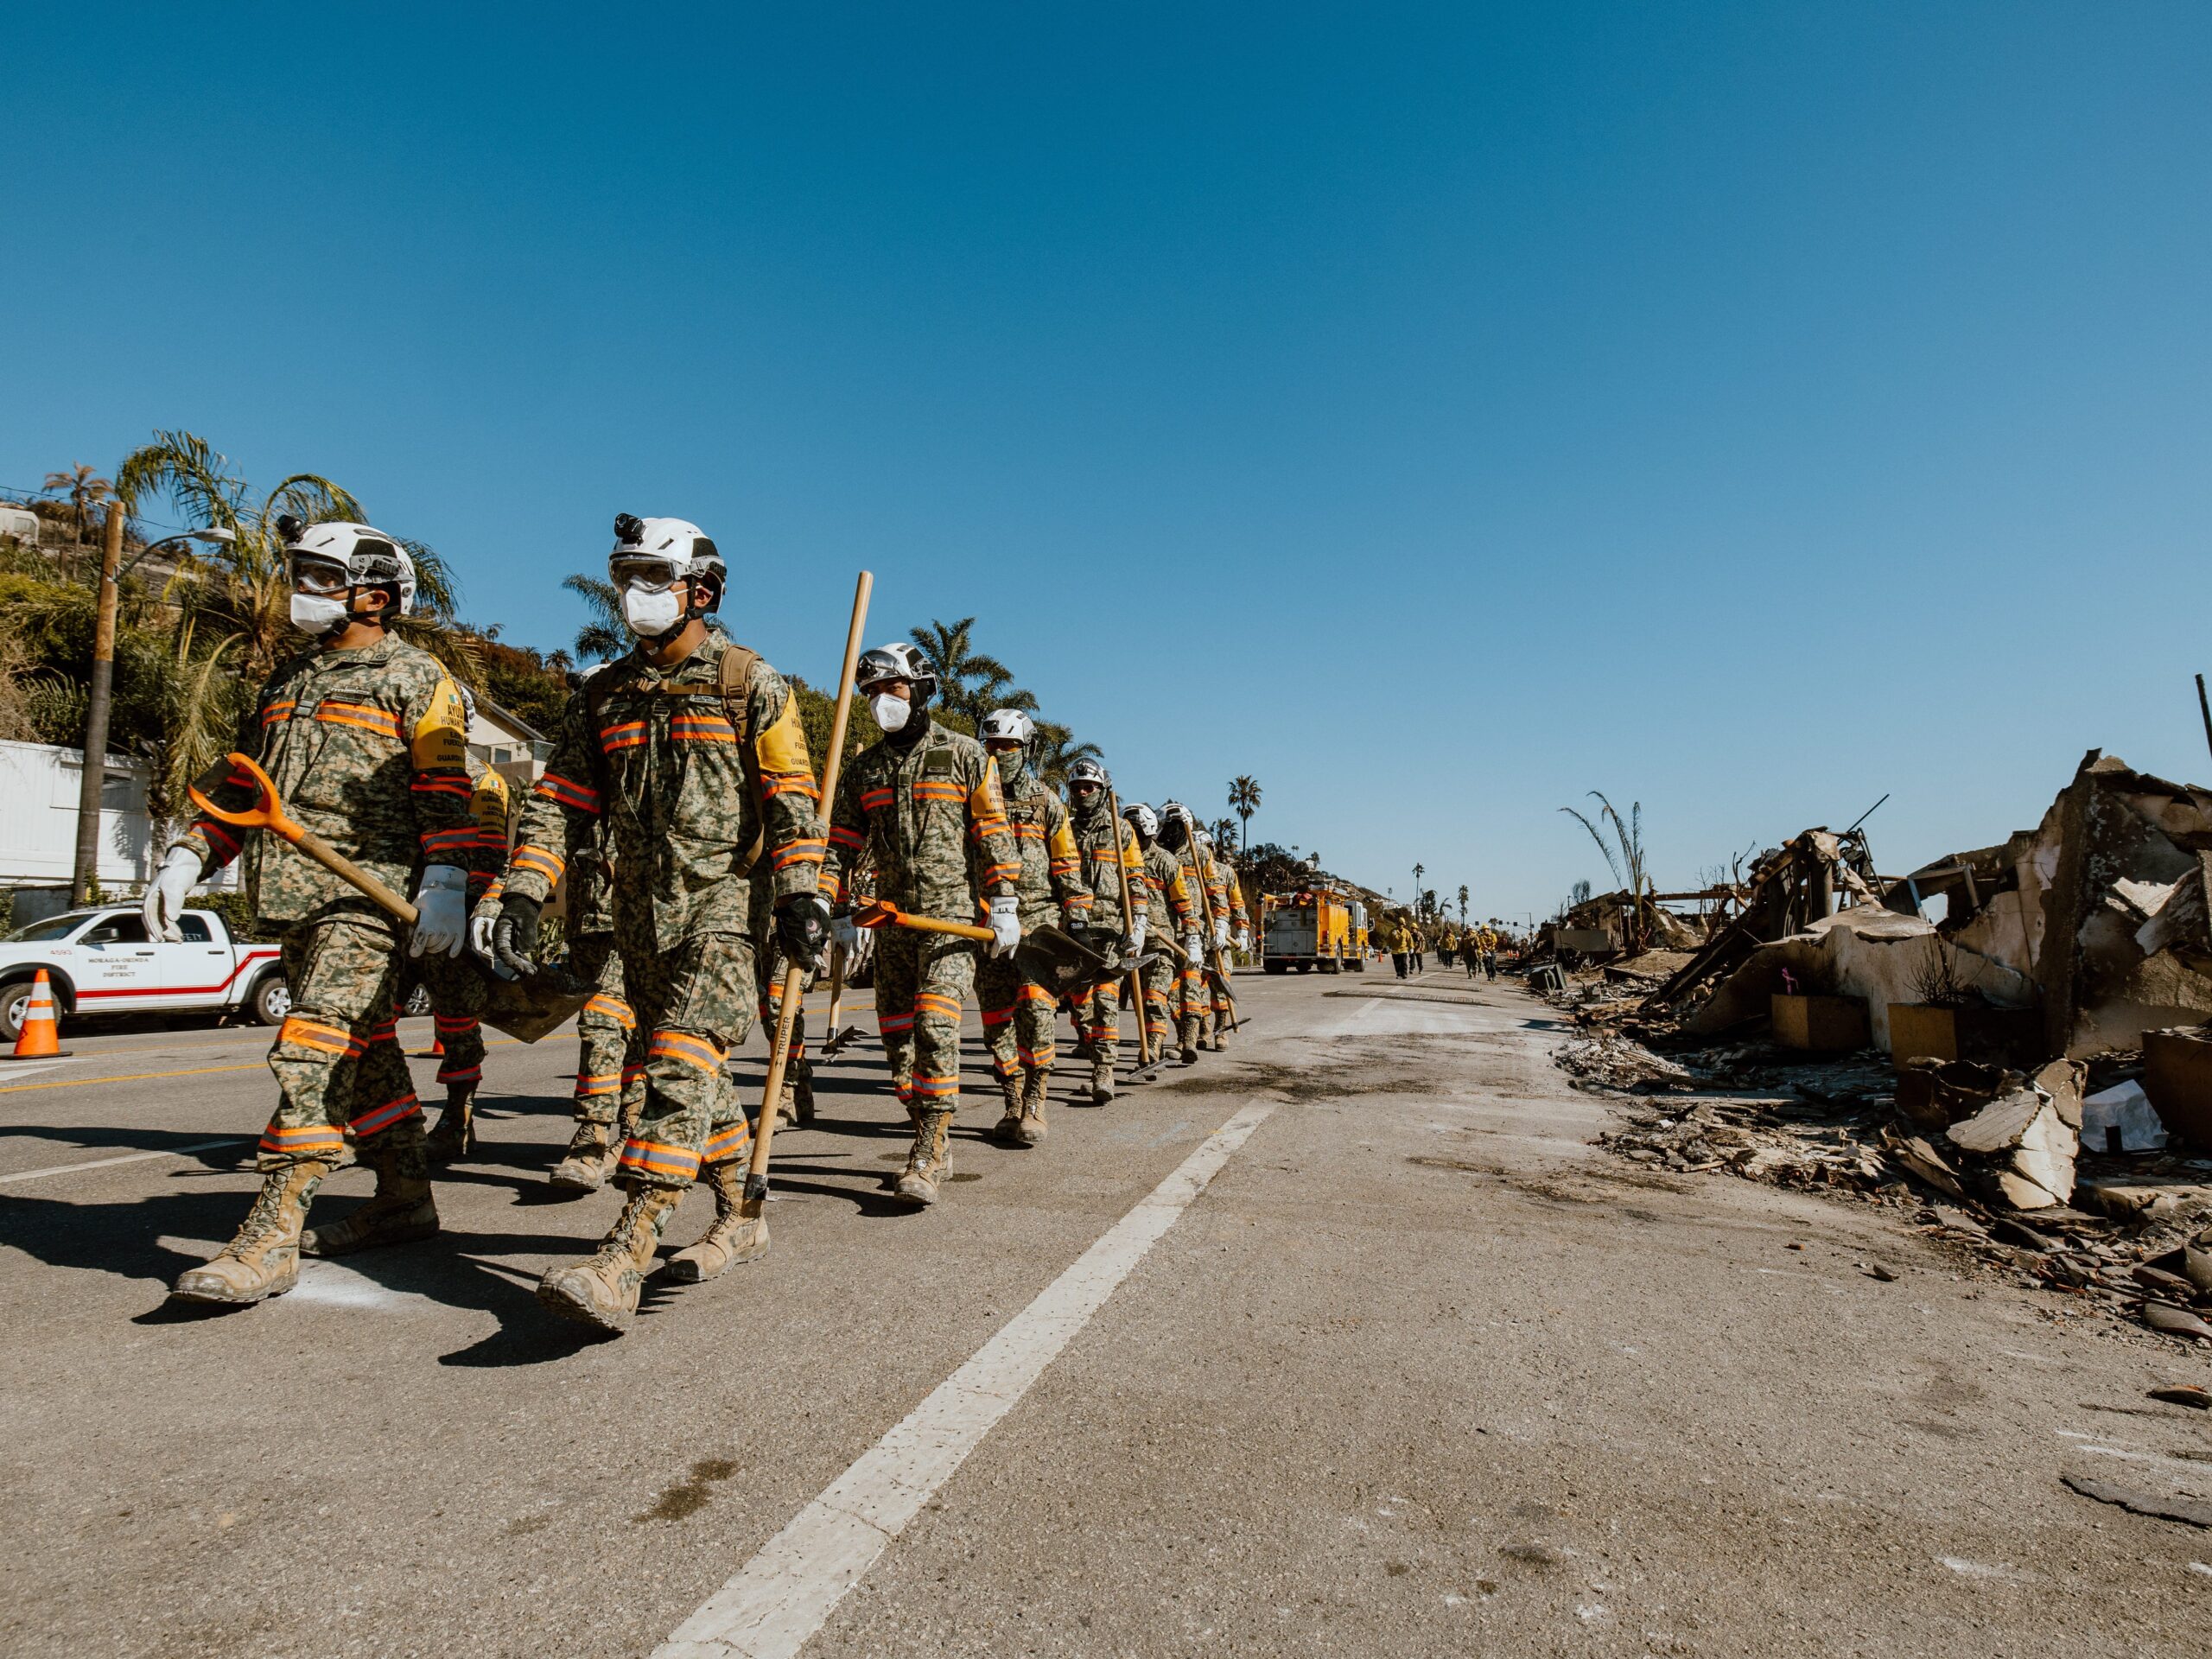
925	805
461	1035
1018	1014
689	751
1186	894
1169	908
1226	895
1110	857
362	736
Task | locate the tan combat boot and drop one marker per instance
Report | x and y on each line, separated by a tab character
1188	1034
603	1290
398	1212
264	1260
1008	1126
731	1238
455	1135
1035	1092
590	1160
931	1160
1101	1080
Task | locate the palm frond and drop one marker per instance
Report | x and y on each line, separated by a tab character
1612	863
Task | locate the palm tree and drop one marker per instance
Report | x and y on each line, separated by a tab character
606	636
1223	831
84	489
234	603
968	683
1244	801
1629	834
1462	904
1054	750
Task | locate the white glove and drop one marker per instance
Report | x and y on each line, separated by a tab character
845	934
1221	933
1136	934
1195	949
1244	939
1006	925
166	893
479	934
441	912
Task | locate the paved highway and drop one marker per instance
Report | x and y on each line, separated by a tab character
1344	1343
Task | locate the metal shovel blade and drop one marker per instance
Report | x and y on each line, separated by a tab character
1058	962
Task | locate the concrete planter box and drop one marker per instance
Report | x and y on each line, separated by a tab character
1821	1024
2178	1076
2010	1037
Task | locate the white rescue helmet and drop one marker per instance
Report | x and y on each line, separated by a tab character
1143	819
658	553
896	661
1006	726
1087	771
346	555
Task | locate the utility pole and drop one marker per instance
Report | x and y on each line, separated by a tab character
86	868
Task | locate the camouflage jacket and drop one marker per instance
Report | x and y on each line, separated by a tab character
1171	900
1227	893
692	809
1110	854
1193	871
367	750
1052	871
927	811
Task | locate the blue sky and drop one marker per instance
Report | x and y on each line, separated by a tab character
1437	412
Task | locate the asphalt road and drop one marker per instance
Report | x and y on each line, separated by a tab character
1397	1365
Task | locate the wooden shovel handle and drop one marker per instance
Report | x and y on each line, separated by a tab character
877	913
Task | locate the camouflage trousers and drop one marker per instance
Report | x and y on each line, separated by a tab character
1021	1021
1099	1016
341	1077
1161	981
611	1052
452	989
921	980
696	1004
1192	999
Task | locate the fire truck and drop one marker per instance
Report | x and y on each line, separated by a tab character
1312	928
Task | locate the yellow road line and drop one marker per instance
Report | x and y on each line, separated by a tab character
134	1076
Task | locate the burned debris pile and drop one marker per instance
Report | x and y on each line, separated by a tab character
2028	1073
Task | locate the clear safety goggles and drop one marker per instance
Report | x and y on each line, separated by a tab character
645	572
317	575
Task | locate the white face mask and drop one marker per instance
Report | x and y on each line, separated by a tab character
650	614
317	614
890	713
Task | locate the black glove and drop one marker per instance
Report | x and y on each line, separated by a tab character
514	936
803	927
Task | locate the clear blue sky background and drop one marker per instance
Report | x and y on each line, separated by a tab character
1436	411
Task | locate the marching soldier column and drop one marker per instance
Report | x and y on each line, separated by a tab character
681	804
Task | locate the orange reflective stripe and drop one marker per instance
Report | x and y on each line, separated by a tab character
721	1148
367	716
549	865
945	1007
614	1008
683	1046
653	1157
313	1034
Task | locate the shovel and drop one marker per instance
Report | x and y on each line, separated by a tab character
1056	960
525	1009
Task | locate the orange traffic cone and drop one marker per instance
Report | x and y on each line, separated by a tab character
39	1036
437	1047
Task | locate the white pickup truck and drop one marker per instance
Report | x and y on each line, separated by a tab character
101	962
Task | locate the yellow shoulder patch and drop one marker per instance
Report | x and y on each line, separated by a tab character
441	737
782	747
1063	840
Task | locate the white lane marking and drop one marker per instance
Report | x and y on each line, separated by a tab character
32	1068
127	1158
773	1606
